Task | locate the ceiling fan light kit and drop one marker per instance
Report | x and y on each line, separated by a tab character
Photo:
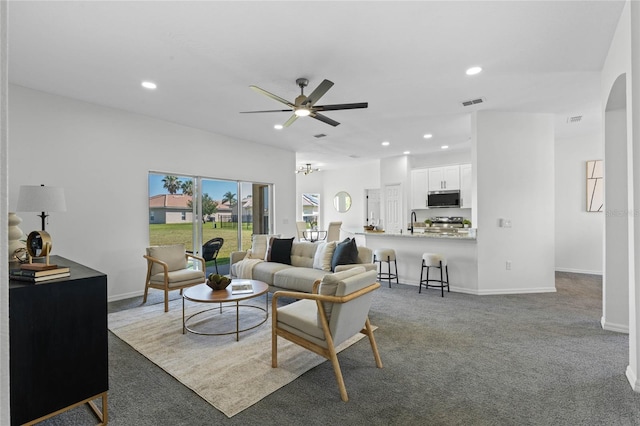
305	106
307	169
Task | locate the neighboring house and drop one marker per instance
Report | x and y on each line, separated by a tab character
170	208
176	208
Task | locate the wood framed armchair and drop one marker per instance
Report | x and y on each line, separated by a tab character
337	309
167	269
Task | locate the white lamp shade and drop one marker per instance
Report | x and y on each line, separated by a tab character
36	198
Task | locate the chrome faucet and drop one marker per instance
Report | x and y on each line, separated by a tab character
414	218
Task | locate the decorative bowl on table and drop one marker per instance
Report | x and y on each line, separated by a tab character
369	228
218	282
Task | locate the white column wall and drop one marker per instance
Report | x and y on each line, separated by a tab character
513	154
615	295
634	181
102	156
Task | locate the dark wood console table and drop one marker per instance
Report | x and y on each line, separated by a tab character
58	344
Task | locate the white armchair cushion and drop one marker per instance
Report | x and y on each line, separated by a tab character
180	278
329	286
173	255
323	256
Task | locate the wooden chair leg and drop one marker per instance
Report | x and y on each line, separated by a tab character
274	334
274	349
166	300
146	290
372	340
333	357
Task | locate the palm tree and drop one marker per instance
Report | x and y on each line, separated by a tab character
229	197
172	184
187	187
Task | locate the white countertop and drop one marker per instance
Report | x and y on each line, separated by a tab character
466	234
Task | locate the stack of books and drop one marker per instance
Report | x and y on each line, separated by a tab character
38	272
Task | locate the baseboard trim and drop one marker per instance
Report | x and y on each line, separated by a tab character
497	292
491	292
610	326
125	296
633	379
579	271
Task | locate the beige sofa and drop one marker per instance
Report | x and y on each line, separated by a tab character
301	273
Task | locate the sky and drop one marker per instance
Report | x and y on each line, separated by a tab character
215	188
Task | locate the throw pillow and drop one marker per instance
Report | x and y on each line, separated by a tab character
324	255
259	244
280	250
329	286
346	253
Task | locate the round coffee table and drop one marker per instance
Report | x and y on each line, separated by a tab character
202	293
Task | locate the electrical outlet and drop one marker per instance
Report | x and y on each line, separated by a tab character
508	265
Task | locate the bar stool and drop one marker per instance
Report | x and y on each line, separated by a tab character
434	260
386	255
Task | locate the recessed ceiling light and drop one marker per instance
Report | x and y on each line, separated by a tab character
428	136
407	152
385	143
278	126
474	70
444	147
149	85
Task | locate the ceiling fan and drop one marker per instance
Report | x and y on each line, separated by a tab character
304	106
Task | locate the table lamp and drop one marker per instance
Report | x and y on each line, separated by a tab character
42	199
33	198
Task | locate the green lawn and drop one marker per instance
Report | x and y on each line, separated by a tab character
181	233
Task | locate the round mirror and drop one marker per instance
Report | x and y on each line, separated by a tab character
342	201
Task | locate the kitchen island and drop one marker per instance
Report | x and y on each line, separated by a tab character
459	248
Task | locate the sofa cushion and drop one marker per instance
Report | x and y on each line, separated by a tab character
324	255
297	279
279	250
265	271
346	253
302	254
173	255
329	286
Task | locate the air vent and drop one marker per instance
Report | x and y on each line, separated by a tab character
472	102
574	119
320	135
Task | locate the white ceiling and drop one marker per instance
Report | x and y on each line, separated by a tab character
407	59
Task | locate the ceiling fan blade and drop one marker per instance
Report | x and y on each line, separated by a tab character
269	110
318	93
341	106
324	119
272	96
290	121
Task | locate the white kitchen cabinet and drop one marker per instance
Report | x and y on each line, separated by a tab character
465	186
444	178
419	188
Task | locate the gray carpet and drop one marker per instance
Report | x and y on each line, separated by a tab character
539	359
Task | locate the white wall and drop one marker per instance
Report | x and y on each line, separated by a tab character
512	154
4	212
354	180
579	234
102	156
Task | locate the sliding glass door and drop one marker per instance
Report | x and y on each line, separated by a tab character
225	214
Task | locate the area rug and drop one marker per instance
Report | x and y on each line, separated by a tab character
231	375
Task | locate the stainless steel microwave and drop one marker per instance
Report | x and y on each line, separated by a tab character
443	199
